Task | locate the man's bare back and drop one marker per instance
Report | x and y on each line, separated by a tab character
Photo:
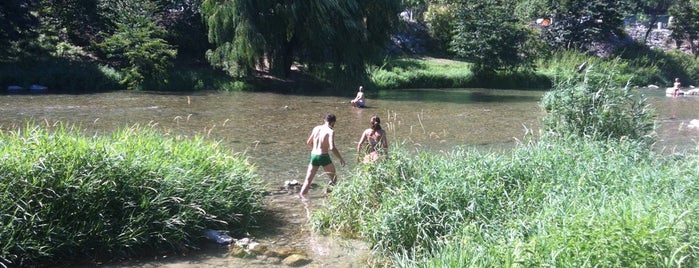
321	140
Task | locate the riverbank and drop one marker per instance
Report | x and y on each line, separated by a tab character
617	204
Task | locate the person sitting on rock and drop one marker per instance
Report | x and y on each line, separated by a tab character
360	100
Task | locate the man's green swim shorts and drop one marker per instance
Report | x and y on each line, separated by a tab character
320	160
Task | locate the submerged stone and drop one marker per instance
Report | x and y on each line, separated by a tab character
296	260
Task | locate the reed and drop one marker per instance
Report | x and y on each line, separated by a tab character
561	201
67	197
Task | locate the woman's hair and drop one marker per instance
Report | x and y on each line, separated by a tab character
375	123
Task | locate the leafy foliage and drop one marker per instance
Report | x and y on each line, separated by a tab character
18	31
337	35
139	49
685	27
577	24
486	35
440	16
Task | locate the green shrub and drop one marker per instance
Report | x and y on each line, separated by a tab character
592	103
67	197
60	75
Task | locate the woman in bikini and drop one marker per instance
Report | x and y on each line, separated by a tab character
373	141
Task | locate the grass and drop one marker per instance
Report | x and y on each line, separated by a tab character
398	73
563	202
67	197
421	73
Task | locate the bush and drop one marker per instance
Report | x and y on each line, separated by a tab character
591	103
66	197
60	76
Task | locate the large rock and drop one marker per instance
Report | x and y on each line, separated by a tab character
296	260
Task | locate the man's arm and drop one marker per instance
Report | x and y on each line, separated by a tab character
309	142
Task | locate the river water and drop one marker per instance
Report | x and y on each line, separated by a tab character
272	128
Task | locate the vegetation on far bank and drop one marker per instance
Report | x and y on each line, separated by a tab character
67	197
178	45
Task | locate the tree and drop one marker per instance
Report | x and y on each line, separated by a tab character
653	9
17	27
185	28
137	46
340	36
77	21
577	24
685	27
440	17
487	35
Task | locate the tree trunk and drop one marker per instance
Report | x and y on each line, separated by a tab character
288	56
651	21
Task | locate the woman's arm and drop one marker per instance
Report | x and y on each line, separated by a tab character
361	142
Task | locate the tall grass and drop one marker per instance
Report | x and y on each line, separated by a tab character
67	197
593	103
564	202
420	73
439	73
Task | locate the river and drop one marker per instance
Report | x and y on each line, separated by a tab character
272	128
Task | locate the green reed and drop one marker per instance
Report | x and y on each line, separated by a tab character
70	197
562	202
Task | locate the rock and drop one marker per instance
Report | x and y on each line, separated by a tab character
218	236
296	260
283	253
692	92
238	252
694	124
257	248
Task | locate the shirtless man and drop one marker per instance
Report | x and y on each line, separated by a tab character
322	141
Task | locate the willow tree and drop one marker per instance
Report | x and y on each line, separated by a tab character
324	35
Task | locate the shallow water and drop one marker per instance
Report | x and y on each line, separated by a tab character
272	129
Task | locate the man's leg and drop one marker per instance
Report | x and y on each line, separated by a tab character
330	170
310	173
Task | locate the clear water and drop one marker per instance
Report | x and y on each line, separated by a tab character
272	129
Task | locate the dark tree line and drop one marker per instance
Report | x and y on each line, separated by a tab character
331	39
